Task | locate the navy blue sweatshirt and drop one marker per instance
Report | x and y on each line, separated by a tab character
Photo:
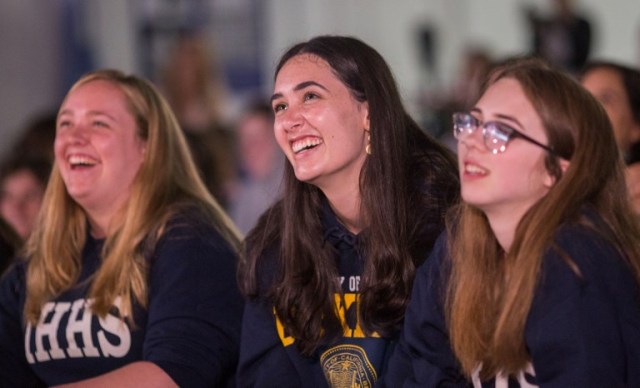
582	331
190	329
270	358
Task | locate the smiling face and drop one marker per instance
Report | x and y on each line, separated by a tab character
607	86
509	183
319	125
97	148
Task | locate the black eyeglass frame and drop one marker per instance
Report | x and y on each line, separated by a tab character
510	132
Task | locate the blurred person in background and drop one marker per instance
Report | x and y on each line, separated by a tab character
476	63
22	185
195	90
564	38
260	166
25	171
617	87
475	66
35	141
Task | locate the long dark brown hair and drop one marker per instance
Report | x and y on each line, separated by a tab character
406	184
491	291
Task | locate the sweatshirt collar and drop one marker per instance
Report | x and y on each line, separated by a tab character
335	232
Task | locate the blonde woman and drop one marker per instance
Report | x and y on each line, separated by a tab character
128	277
536	281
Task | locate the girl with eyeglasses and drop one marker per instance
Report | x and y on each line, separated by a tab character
536	280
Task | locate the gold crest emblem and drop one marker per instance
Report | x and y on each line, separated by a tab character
347	366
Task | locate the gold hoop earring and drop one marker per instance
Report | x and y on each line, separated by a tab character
367	149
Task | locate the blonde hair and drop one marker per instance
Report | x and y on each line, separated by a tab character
166	182
490	291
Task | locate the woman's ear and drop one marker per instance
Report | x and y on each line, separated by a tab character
564	165
551	180
364	110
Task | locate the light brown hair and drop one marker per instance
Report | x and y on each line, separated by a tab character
166	182
490	291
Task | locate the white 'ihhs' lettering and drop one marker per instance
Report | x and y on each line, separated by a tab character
50	330
78	323
116	327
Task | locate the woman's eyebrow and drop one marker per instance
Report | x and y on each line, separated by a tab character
300	86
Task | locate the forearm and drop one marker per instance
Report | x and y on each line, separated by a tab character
139	374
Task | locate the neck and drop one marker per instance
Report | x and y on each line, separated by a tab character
346	206
101	222
342	189
99	226
504	226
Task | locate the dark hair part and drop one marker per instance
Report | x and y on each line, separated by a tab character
406	184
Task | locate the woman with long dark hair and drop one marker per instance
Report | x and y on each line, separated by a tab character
330	266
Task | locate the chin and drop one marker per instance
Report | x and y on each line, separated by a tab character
468	197
305	176
307	180
474	201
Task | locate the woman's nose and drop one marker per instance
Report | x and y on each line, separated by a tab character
474	139
292	118
77	134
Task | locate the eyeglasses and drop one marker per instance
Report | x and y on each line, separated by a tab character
496	135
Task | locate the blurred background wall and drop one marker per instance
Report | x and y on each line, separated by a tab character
46	44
